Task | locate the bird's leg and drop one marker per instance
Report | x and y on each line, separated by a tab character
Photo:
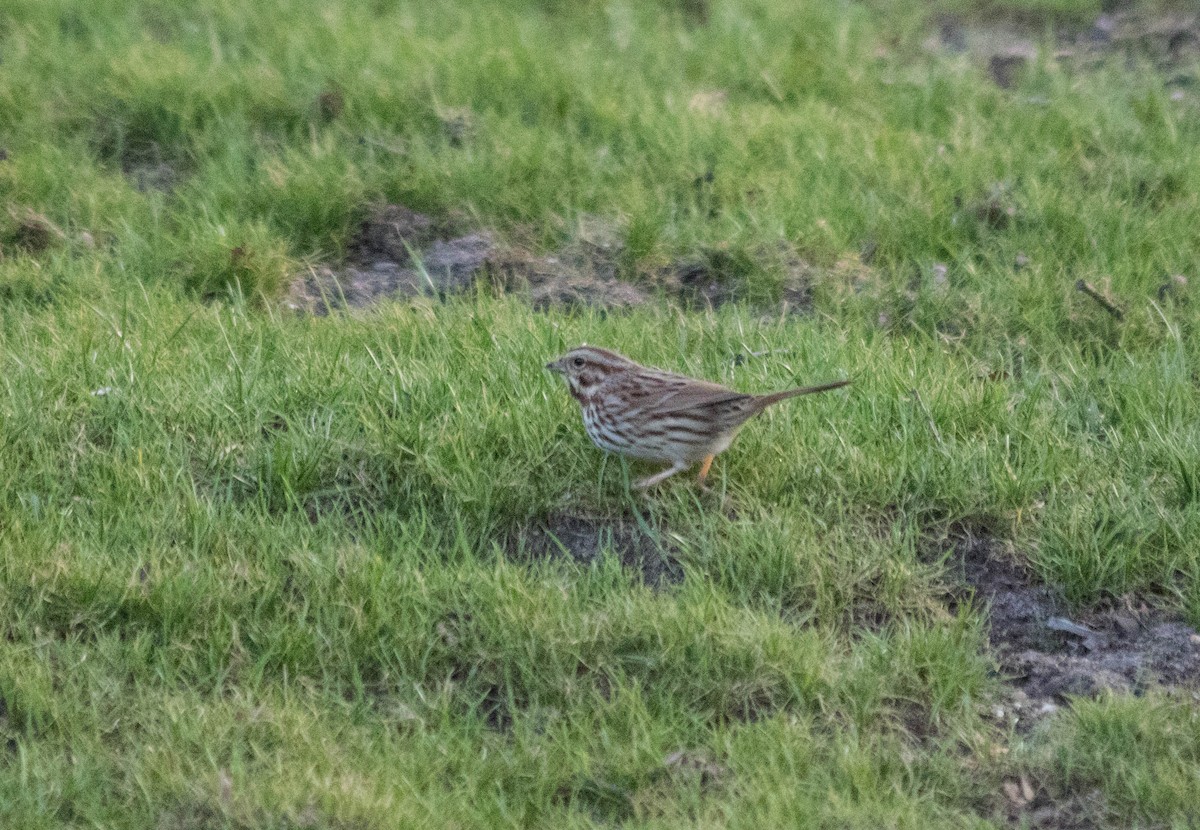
677	467
708	459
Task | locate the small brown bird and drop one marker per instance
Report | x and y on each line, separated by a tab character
653	415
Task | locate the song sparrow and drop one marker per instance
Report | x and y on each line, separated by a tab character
653	415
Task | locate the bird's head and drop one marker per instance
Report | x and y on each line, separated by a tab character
586	367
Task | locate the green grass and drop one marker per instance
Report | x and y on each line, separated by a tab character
257	569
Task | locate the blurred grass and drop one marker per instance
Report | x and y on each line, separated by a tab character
257	569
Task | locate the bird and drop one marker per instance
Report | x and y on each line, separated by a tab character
653	415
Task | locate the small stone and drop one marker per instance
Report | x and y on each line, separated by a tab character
1126	625
1021	261
1067	626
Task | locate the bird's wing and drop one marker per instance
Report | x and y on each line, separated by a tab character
696	395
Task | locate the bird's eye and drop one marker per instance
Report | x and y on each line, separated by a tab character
578	362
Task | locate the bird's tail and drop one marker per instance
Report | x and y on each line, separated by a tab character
766	400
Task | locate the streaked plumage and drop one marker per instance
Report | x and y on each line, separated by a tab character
654	415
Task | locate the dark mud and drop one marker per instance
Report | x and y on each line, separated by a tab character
399	253
714	277
1031	806
1051	653
1006	47
30	231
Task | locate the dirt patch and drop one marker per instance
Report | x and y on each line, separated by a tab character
1006	47
585	539
30	231
1168	40
1031	806
396	253
6	728
1052	654
399	253
581	273
577	292
330	103
716	276
390	233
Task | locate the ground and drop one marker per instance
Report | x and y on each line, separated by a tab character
296	531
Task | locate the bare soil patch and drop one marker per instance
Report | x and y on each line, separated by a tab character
716	276
1007	46
581	273
1051	653
1029	805
585	539
399	253
30	231
1169	39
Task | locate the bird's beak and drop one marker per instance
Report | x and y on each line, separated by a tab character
553	366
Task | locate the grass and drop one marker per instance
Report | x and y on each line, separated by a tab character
257	569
